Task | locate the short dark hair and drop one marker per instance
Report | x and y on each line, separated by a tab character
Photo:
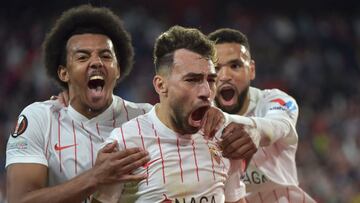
178	37
228	35
86	19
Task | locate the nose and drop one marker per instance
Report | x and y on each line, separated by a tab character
224	74
205	91
96	62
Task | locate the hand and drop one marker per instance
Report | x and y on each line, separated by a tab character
63	97
237	143
113	166
213	120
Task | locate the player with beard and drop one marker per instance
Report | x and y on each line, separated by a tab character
51	153
271	175
184	166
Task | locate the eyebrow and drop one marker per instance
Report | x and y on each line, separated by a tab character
236	61
212	75
87	51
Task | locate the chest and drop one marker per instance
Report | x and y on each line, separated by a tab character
181	169
72	146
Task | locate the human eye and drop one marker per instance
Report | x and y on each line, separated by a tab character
107	55
217	68
192	80
81	57
236	65
211	80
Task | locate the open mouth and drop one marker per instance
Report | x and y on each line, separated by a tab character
96	82
197	116
227	93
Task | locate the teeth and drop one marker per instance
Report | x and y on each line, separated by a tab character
97	77
98	89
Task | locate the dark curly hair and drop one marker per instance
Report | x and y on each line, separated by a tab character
228	35
86	19
178	37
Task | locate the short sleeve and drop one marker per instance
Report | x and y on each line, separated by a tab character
26	143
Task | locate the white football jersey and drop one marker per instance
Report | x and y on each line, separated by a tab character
271	175
183	168
64	140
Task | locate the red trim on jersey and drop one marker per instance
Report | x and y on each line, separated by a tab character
288	194
162	160
196	164
122	136
180	161
47	144
59	143
261	199
114	119
98	131
161	155
139	129
91	144
127	113
212	160
75	147
276	197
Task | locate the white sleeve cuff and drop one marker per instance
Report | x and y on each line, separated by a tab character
25	160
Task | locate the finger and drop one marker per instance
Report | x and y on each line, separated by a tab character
230	137
247	155
132	178
130	167
238	149
233	128
208	125
237	144
129	153
109	147
214	120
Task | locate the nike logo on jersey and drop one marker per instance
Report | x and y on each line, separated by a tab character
149	163
59	148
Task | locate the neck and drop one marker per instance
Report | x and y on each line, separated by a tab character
164	115
84	108
245	105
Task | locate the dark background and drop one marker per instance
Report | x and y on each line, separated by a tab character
310	49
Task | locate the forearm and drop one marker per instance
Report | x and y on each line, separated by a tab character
273	129
74	190
269	129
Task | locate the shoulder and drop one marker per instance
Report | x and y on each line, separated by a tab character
132	105
138	123
277	100
275	95
42	108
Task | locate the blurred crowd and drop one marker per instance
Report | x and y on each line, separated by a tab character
314	56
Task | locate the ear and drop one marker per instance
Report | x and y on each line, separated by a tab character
63	73
252	70
118	72
160	85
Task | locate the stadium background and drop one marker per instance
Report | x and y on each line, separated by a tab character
308	48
